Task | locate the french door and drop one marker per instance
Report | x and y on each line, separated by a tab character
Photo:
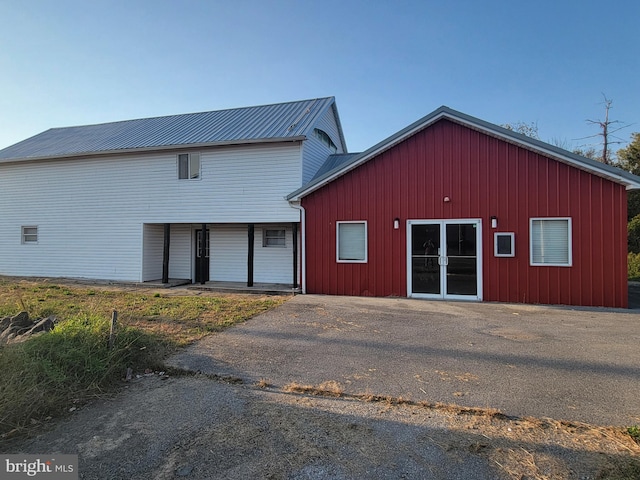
444	259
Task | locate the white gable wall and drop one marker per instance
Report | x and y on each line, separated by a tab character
90	212
314	151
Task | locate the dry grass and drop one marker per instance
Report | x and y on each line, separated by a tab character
180	319
45	376
520	448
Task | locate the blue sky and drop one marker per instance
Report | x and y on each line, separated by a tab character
388	63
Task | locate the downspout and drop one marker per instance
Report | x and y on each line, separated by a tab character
303	242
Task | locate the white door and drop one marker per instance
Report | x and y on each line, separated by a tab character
444	259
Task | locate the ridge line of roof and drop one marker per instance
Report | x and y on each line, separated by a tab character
190	113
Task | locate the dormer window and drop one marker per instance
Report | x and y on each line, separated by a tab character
188	166
326	139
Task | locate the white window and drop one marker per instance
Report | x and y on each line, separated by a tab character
273	237
189	166
504	244
351	242
550	242
30	234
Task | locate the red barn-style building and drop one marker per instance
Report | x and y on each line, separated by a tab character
453	207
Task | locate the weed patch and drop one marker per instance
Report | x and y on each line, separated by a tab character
50	374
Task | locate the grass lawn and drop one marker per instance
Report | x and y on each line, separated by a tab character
45	376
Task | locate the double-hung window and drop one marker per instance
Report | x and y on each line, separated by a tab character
351	242
188	166
550	242
274	237
30	234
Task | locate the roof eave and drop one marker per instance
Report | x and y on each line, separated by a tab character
158	148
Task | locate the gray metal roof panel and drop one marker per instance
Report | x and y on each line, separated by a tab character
607	171
248	124
333	161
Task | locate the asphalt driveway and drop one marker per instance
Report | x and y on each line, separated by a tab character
581	365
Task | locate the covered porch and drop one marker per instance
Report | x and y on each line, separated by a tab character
224	256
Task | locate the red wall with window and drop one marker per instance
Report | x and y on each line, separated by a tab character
483	176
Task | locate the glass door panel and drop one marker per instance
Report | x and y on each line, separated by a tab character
462	275
425	268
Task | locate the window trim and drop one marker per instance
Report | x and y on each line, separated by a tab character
191	157
512	235
24	235
279	229
569	262
366	241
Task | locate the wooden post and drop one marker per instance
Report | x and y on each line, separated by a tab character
112	332
165	253
294	233
251	231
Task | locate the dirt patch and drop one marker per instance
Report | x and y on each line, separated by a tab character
201	427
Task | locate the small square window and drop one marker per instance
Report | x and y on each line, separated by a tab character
274	237
189	166
30	234
351	240
504	244
550	242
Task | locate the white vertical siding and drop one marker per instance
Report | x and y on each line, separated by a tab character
314	151
90	212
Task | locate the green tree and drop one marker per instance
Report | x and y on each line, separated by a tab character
528	129
633	237
629	159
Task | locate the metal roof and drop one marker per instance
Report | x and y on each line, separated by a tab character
333	161
282	121
612	173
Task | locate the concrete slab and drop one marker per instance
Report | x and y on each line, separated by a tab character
240	287
526	360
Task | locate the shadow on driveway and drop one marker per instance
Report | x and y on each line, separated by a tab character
525	360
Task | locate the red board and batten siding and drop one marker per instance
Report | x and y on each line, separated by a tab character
484	177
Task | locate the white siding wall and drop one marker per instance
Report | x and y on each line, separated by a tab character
314	151
273	264
229	254
228	260
153	241
180	252
90	212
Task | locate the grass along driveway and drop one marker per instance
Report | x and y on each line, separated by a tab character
50	374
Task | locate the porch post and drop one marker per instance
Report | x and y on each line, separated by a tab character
294	233
251	228
203	252
165	253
